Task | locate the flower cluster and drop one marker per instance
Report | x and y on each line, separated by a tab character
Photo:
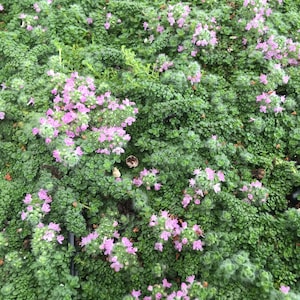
162	291
261	11
51	232
270	102
204	181
170	227
204	35
280	49
254	193
163	64
148	178
77	111
37	206
119	250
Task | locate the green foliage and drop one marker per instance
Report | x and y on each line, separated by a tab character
217	94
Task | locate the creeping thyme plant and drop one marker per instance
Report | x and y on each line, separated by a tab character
149	149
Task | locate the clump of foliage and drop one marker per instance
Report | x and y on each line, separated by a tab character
204	95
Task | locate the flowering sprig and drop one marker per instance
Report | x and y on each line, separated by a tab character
119	251
204	181
164	290
170	227
36	207
280	49
76	113
254	193
148	178
270	102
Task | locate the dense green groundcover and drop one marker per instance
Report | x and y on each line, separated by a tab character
149	149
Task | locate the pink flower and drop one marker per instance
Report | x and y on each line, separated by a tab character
221	176
210	173
46	208
197	245
263	79
145	25
157	186
165	235
116	265
1	7
136	294
54	226
27	199
217	188
60	238
285	79
89	21
160	28
284	289
166	284
107	25
158	246
263	109
78	151
23	215
180	48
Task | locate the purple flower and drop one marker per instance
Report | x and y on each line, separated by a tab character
106	25
2	115
1	7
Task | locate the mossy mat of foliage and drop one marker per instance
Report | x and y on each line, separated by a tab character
149	149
